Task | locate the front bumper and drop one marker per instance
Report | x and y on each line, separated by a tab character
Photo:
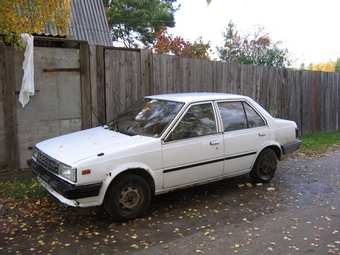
62	187
291	147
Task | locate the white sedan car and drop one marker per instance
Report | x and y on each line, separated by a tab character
160	144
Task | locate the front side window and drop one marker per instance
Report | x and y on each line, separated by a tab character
198	120
239	115
147	117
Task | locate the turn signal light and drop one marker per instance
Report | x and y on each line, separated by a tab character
86	171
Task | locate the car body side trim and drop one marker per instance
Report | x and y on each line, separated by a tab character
207	162
241	155
193	165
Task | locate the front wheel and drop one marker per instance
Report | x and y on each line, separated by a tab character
265	166
128	197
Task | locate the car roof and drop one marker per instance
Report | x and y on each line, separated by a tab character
194	97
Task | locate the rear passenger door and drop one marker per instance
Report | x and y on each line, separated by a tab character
244	132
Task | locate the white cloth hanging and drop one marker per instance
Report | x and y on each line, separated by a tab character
27	86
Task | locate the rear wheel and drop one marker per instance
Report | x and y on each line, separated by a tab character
128	197
265	166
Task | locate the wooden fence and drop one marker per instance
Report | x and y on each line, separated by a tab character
96	81
311	99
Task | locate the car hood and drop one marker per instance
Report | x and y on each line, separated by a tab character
77	146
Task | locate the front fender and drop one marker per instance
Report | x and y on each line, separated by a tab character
156	176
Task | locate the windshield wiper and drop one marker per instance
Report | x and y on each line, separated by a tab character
113	126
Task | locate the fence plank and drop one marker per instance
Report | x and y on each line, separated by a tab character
337	102
295	111
145	72
111	89
319	102
97	86
226	80
168	84
332	100
3	147
94	85
127	80
156	73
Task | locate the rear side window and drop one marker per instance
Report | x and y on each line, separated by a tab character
254	120
239	115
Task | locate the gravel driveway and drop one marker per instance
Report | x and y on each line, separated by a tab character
296	213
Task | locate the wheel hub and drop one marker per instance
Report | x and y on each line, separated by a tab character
266	166
129	198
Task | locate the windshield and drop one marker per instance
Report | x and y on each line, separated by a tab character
146	117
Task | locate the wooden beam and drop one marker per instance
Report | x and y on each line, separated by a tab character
85	83
61	69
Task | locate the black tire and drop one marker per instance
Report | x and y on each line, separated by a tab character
265	166
127	198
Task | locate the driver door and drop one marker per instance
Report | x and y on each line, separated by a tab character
193	151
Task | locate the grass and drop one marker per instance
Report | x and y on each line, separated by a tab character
317	144
21	189
312	145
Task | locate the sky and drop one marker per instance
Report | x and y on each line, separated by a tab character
308	29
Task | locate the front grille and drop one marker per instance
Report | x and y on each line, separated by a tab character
47	162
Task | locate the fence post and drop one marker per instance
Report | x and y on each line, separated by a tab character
85	84
9	105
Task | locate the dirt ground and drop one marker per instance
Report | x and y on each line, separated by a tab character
297	213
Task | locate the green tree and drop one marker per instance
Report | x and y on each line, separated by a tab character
337	66
232	48
31	16
254	49
302	66
134	22
167	44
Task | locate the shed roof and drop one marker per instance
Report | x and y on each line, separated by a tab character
87	23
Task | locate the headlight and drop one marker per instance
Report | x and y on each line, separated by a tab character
67	172
35	152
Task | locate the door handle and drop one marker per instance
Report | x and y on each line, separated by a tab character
262	134
214	142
